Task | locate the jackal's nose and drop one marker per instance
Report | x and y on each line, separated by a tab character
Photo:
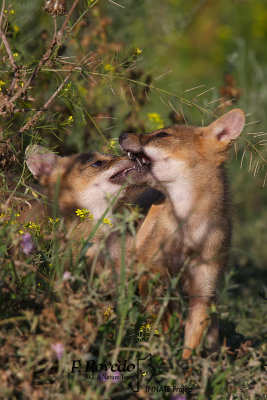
122	137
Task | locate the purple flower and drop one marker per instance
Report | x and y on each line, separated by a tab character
115	376
102	377
66	276
58	349
110	375
27	243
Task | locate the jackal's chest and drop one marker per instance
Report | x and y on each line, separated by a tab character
184	245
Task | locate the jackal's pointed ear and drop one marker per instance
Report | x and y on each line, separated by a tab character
39	161
229	126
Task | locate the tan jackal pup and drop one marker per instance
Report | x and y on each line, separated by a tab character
80	181
191	228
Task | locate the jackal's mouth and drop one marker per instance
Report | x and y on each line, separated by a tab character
141	158
131	173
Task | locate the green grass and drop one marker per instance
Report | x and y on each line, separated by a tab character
101	317
92	319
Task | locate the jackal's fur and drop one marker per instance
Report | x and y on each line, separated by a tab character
82	181
191	228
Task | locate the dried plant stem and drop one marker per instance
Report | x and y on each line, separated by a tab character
23	110
2	12
36	116
56	40
9	52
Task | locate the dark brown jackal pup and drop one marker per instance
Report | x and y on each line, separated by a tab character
82	181
191	228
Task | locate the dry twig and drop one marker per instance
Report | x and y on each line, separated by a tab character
9	52
56	41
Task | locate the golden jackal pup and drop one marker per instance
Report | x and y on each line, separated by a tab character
82	181
191	229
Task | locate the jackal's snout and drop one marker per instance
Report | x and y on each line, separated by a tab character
130	142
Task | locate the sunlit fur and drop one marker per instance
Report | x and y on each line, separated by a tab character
191	228
76	182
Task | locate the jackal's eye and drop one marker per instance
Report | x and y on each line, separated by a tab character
162	135
97	164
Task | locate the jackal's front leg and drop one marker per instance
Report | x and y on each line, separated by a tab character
202	282
195	326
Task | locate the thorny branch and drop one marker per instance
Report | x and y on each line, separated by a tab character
8	104
36	116
2	12
9	52
23	110
10	55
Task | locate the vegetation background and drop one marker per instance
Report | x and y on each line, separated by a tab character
129	66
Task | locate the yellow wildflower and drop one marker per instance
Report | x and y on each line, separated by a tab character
145	331
109	68
108	313
112	144
53	221
106	221
20	232
16	55
70	119
156	120
138	51
33	226
82	214
11	12
67	87
2	83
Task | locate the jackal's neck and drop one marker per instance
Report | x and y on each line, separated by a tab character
182	198
199	196
97	209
